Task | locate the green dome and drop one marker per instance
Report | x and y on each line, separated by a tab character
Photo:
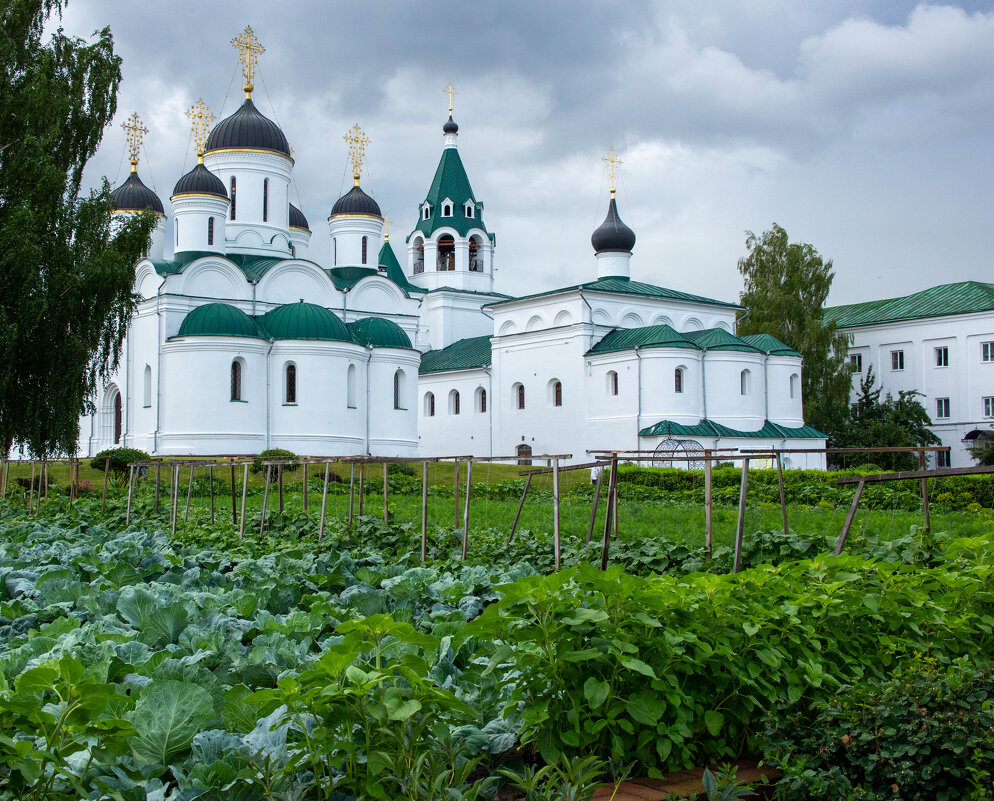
305	321
218	320
375	332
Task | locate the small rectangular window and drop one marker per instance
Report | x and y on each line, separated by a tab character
988	407
987	351
942	459
897	360
856	362
941	408
942	357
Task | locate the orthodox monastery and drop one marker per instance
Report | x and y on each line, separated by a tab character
245	340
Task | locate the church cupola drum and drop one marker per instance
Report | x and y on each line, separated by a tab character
450	246
613	241
251	156
355	222
200	201
133	195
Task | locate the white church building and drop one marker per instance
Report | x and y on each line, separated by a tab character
245	340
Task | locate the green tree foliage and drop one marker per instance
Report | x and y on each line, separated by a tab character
65	278
888	423
786	285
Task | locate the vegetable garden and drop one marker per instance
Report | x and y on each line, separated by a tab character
137	664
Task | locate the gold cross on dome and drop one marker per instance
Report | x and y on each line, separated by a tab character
201	118
134	132
612	159
450	90
249	48
386	225
357	142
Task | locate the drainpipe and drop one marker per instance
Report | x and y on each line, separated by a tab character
253	284
590	344
638	416
369	359
766	386
158	367
704	384
345	309
490	405
269	402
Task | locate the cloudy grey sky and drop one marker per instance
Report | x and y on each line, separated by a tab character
863	127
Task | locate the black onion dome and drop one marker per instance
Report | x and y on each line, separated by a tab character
248	128
200	181
613	235
355	201
133	195
297	218
450	126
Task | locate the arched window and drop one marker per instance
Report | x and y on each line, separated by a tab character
232	193
481	400
744	382
612	382
118	419
365	242
419	256
334	251
454	402
176	229
350	387
265	200
429	404
795	380
210	230
556	392
426	212
398	389
147	386
524	453
447	210
678	380
475	260
519	395
446	253
469	211
236	380
290	383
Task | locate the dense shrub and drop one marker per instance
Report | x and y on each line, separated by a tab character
274	455
924	733
120	458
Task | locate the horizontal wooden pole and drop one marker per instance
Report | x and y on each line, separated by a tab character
543	470
949	471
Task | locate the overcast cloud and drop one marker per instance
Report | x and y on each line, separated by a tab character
864	128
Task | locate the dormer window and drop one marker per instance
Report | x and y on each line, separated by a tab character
426	211
447	210
470	214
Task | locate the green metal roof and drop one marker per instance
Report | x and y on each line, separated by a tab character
965	297
710	429
625	286
450	182
720	339
471	292
254	267
305	321
219	320
464	354
769	344
345	278
388	260
650	336
376	332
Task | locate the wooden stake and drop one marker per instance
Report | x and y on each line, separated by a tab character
234	508
386	509
31	489
44	470
210	480
465	516
189	494
928	518
351	490
131	490
615	503
103	505
175	486
279	480
521	505
456	485
849	518
4	476
158	476
555	511
241	524
324	498
708	508
424	512
265	500
72	484
304	487
740	525
362	486
783	495
593	508
612	488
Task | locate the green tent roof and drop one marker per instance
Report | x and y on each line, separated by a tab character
709	429
388	260
650	336
305	321
625	286
720	339
376	332
464	354
219	320
450	182
965	297
769	344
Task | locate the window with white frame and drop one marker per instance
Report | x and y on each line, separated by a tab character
745	382
942	459
447	210
469	210
897	360
942	356
612	382
426	211
429	404
941	408
989	407
350	387
795	385
856	362
987	351
454	402
678	380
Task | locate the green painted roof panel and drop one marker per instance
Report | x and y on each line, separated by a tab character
305	321
450	182
464	354
625	286
650	336
720	339
965	297
219	320
769	344
710	429
377	332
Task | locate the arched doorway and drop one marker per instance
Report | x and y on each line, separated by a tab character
524	453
